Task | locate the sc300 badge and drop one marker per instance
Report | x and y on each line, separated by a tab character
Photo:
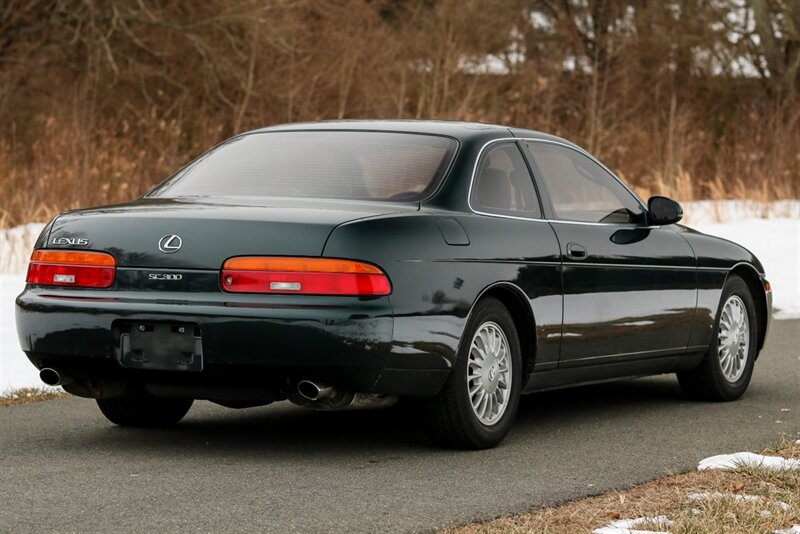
165	276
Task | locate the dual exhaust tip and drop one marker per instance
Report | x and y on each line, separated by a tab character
309	390
312	394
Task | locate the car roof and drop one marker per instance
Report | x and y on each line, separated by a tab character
459	129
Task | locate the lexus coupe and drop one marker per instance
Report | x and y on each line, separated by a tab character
346	264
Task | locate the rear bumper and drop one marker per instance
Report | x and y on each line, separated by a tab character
247	340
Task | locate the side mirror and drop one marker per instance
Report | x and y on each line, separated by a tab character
663	211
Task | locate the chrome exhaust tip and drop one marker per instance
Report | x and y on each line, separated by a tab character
322	396
51	377
313	391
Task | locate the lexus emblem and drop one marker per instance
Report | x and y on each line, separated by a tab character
170	243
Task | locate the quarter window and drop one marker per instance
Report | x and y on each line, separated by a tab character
580	189
504	185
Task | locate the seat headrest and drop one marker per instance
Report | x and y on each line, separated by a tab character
494	189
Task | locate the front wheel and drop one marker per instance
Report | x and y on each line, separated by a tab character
144	411
479	402
725	371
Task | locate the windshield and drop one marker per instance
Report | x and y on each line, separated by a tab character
317	164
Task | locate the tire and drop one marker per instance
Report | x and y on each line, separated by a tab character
712	380
450	419
144	411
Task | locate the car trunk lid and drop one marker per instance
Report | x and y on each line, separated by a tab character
201	234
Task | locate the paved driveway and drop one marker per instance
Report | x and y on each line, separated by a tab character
282	468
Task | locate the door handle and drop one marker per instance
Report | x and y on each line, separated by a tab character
576	251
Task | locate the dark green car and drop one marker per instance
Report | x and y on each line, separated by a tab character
346	264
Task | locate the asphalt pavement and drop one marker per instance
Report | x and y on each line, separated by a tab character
281	468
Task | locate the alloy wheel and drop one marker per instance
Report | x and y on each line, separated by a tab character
489	373
733	338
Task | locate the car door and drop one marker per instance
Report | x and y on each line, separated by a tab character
518	243
629	288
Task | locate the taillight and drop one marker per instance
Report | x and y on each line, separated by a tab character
303	276
73	268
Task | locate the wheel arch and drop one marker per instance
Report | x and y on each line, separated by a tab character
518	305
752	278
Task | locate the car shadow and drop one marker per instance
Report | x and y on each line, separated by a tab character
284	429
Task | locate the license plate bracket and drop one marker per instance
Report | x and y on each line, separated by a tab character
162	346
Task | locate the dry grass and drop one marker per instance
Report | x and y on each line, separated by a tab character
670	497
69	168
16	397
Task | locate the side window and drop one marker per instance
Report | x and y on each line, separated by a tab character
580	189
504	185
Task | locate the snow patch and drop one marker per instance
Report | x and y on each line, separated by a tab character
16	245
699	212
747	459
628	526
794	529
15	369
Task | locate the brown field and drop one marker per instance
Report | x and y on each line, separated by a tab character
101	99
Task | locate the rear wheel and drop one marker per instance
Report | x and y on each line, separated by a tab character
479	402
725	371
144	411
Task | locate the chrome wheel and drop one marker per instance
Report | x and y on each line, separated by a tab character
733	338
489	373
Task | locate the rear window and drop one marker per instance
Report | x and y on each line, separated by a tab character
317	164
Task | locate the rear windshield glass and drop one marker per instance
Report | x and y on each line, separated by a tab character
329	164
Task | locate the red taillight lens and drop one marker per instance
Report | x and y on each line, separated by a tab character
304	276
71	268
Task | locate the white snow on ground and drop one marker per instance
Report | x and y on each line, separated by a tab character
770	231
15	369
628	526
701	212
747	459
794	529
15	247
